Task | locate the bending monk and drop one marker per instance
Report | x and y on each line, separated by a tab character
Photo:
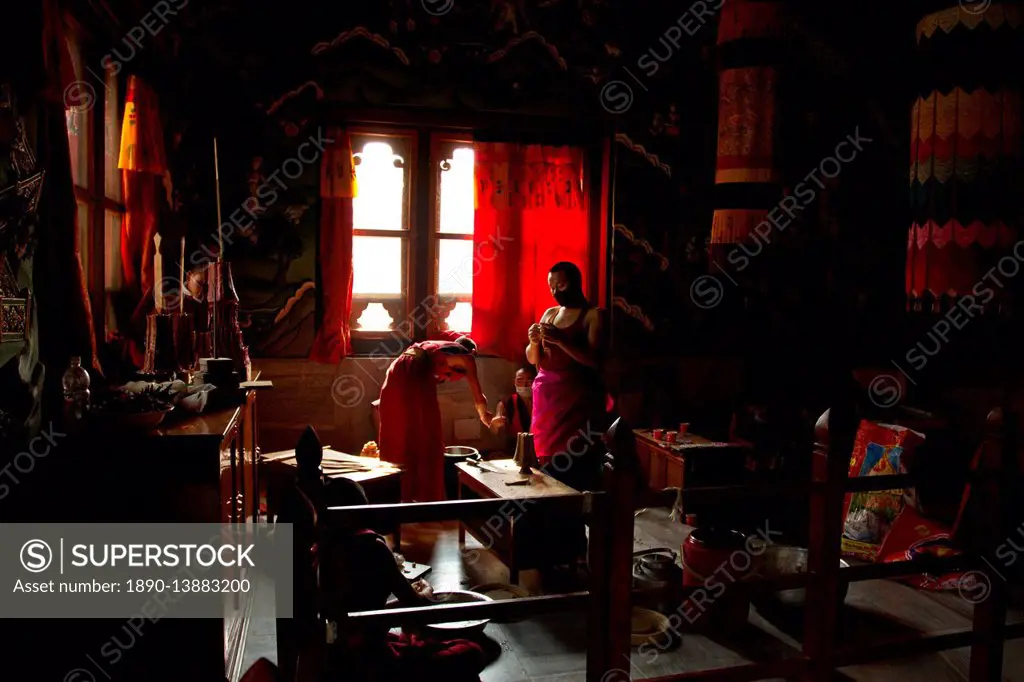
569	400
410	416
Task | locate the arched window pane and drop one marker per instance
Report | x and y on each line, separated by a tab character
375	319
457	192
381	197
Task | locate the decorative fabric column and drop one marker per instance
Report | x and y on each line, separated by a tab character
965	165
750	35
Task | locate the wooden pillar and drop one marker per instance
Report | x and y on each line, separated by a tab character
611	562
965	160
834	434
997	463
751	42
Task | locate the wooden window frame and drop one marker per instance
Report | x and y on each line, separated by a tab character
95	195
370	340
432	131
441	144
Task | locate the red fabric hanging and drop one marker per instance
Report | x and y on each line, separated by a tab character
530	214
143	162
64	310
138	229
337	189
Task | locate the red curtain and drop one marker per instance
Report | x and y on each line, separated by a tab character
530	214
143	162
59	283
337	189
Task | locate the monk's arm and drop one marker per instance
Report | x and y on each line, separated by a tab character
590	353
535	351
534	354
468	363
394	578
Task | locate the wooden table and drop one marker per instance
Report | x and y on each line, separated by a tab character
694	460
194	468
520	539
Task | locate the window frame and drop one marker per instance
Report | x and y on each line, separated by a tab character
441	145
372	339
431	127
421	242
95	195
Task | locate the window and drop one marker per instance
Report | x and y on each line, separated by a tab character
406	226
381	229
455	207
97	181
79	123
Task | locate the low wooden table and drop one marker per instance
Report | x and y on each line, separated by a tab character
520	539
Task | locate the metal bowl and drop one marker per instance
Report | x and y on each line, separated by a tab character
780	560
461	626
461	452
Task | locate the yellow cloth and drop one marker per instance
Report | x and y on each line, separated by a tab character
142	136
338	169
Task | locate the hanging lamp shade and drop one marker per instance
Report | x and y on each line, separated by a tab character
965	165
142	137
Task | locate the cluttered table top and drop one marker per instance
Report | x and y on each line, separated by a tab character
683	442
337	464
495	474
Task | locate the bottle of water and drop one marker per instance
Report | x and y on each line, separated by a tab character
76	390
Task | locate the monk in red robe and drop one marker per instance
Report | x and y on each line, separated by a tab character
569	399
410	416
513	415
363	574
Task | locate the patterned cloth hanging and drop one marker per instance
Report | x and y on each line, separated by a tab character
747	119
965	156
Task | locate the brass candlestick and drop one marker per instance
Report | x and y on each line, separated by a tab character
526	455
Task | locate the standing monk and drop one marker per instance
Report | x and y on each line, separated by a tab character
569	400
410	416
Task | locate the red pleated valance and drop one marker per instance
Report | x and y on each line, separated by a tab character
528	177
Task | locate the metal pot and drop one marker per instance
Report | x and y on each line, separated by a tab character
657	569
453	454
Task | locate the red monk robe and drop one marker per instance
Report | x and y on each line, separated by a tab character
410	416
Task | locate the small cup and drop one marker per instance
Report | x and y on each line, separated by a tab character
691	520
670	436
683	428
659	434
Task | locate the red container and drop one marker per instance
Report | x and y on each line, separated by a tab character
683	428
659	434
714	560
670	436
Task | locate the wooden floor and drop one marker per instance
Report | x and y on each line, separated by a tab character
553	648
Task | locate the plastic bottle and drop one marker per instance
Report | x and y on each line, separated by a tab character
76	390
